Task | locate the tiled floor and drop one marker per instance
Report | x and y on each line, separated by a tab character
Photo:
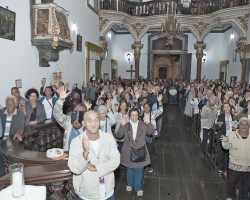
180	173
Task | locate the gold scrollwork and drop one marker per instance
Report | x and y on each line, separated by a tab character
102	22
138	28
200	27
243	20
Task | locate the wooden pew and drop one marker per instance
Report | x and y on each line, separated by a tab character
38	169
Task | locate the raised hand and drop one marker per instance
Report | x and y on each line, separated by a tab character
88	104
123	121
63	92
109	104
120	89
42	82
224	138
137	94
159	98
113	93
102	93
85	146
18	136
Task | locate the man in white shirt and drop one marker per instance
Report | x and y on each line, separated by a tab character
93	157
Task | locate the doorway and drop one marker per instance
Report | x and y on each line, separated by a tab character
163	72
223	70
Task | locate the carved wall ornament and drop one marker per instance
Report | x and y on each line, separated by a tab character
200	27
137	46
102	22
138	28
51	33
199	46
243	20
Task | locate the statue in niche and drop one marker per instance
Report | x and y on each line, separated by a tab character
47	1
42	22
63	25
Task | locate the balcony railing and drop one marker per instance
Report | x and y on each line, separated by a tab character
161	7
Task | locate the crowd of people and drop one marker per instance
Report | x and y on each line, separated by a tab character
118	122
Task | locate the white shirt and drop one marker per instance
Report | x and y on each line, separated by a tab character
134	128
48	107
229	125
103	196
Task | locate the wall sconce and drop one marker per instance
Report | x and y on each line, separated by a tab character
232	37
204	57
128	57
73	26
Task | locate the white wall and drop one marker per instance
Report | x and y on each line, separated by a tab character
219	47
119	46
19	59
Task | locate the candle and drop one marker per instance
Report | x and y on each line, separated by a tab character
17	184
172	7
117	5
167	8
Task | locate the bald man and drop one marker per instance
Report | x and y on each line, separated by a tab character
93	157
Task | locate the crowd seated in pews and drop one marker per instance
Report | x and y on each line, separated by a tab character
210	107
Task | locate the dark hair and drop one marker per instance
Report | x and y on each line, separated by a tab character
222	107
245	111
133	110
14	88
52	90
123	101
30	91
148	105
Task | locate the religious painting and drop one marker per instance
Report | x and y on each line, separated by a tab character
7	24
233	80
79	43
42	22
19	83
63	25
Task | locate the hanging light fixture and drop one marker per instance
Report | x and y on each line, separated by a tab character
170	29
128	57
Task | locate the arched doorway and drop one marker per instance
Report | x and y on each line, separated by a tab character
163	72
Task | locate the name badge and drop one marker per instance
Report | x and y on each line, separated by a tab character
101	180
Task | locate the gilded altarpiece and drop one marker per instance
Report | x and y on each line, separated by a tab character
168	60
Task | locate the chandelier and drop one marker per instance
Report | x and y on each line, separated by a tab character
185	3
170	29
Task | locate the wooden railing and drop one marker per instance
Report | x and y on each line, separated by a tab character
196	129
42	137
38	169
161	7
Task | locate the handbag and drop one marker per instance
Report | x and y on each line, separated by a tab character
137	155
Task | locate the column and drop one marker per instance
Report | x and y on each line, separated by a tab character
199	46
104	46
240	47
137	46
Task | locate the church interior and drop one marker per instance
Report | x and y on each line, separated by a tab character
60	40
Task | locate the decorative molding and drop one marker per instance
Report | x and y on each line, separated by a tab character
235	16
200	27
102	22
138	28
243	20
